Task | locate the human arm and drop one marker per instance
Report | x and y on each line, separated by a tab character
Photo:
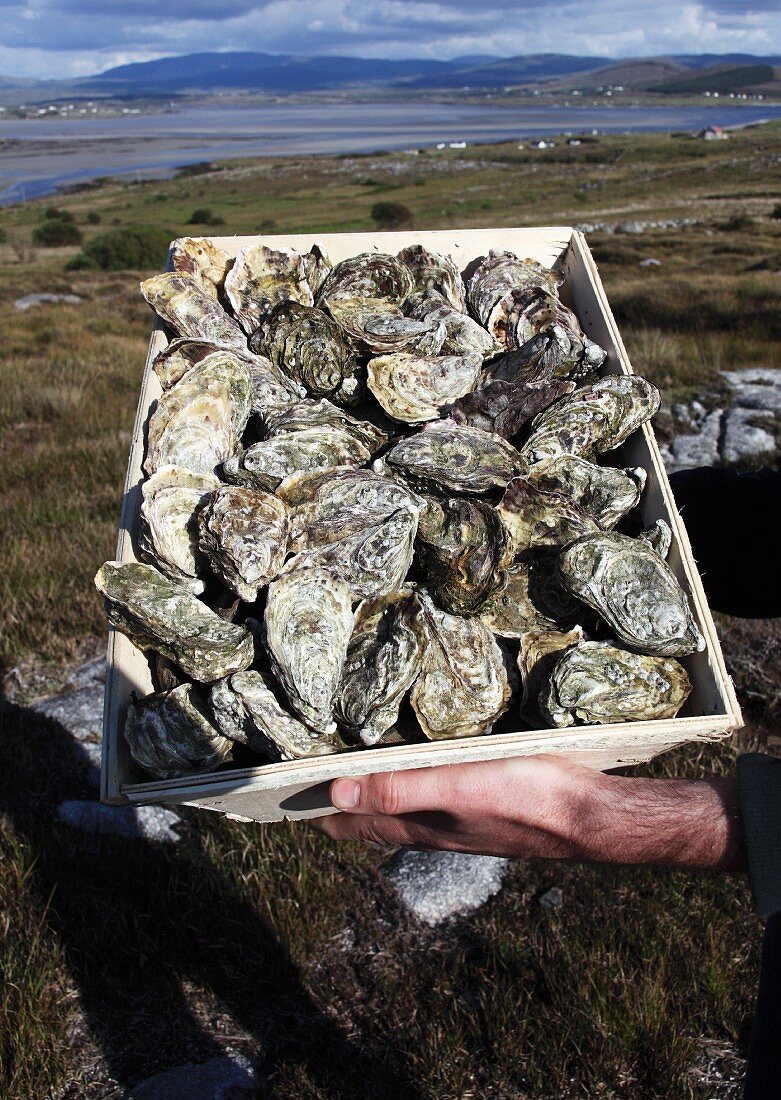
544	806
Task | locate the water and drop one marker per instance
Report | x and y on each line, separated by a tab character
48	153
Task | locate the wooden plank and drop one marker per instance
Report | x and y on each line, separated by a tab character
296	788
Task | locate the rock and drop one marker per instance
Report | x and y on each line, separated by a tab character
36	299
700	449
650	262
756	388
552	899
144	822
229	1078
743	438
437	885
79	710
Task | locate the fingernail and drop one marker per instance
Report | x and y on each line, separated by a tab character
345	794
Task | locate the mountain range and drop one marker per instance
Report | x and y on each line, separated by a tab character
287	73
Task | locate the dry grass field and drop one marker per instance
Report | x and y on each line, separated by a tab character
121	958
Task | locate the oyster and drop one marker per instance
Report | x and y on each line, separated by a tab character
182	353
264	465
244	534
545	341
309	620
461	334
311	414
463	686
168	537
203	260
373	561
272	391
635	592
499	273
435	273
535	517
598	682
261	277
464	551
247	711
531	598
659	538
383	660
317	265
539	652
170	734
505	407
413	388
157	614
379	324
327	505
370	275
190	310
307	345
594	419
198	422
464	460
602	492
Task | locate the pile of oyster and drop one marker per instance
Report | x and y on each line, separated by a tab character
374	511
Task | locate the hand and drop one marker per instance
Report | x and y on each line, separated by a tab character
543	806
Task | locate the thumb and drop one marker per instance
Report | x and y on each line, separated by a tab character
391	793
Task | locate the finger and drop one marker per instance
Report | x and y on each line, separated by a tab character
381	832
389	794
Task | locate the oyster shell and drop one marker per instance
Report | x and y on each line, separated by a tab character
179	355
499	273
203	260
461	334
464	552
247	711
592	420
168	536
261	277
435	273
539	652
531	598
505	407
190	310
535	517
311	414
413	388
463	460
272	391
170	734
463	686
604	493
659	538
317	266
157	614
307	345
379	324
383	660
545	340
635	592
327	505
597	682
370	275
264	465
373	561
309	621
244	534
198	423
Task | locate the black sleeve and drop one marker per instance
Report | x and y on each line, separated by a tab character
734	524
759	784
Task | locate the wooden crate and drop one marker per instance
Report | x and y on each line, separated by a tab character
298	788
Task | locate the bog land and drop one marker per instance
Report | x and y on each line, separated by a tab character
124	957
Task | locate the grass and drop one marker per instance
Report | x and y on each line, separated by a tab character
124	958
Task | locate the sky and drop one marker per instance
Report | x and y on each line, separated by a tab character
67	38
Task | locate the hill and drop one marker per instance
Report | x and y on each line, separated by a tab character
736	78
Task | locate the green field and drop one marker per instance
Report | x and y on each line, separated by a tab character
125	958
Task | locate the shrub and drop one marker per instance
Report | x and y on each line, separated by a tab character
737	223
3	236
140	246
776	212
55	213
267	225
94	218
204	216
391	215
55	232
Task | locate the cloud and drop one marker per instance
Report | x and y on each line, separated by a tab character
71	37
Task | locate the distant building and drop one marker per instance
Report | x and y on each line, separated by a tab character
713	133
